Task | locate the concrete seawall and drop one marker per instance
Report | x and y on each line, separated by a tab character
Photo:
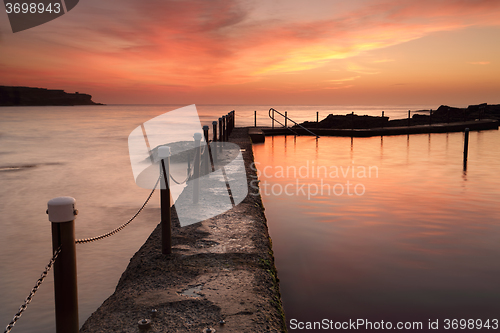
473	125
220	269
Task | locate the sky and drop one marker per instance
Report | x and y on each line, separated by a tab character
316	52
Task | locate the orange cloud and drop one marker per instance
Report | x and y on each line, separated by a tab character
480	63
198	43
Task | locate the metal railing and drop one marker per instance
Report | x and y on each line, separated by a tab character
285	116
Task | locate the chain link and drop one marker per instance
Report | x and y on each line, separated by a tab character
28	299
114	231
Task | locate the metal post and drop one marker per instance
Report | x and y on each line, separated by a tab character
286	117
214	129
317	119
430	118
255	118
382	119
408	117
213	147
196	175
62	213
220	129
352	120
206	156
466	147
233	119
224	128
229	123
166	220
273	118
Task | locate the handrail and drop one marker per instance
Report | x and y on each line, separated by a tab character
286	117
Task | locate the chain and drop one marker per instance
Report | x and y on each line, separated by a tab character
28	299
114	231
179	183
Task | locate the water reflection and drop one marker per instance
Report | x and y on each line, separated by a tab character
420	243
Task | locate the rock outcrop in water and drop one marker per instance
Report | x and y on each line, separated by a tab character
26	96
444	114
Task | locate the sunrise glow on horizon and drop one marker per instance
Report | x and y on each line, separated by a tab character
368	52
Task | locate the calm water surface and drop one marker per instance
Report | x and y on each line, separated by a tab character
82	152
417	241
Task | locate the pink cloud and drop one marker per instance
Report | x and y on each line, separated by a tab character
196	43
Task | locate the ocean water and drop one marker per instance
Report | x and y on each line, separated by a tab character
82	151
385	229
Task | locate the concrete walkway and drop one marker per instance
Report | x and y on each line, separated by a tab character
220	269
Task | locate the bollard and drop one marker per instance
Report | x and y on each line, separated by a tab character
226	127
408	117
62	213
255	118
214	127
466	147
223	128
206	154
196	175
231	123
220	129
205	133
166	222
213	149
220	135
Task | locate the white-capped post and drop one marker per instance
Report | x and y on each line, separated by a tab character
166	222
62	214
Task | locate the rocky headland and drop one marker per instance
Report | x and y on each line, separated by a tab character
27	96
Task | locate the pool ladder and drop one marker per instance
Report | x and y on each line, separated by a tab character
271	115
